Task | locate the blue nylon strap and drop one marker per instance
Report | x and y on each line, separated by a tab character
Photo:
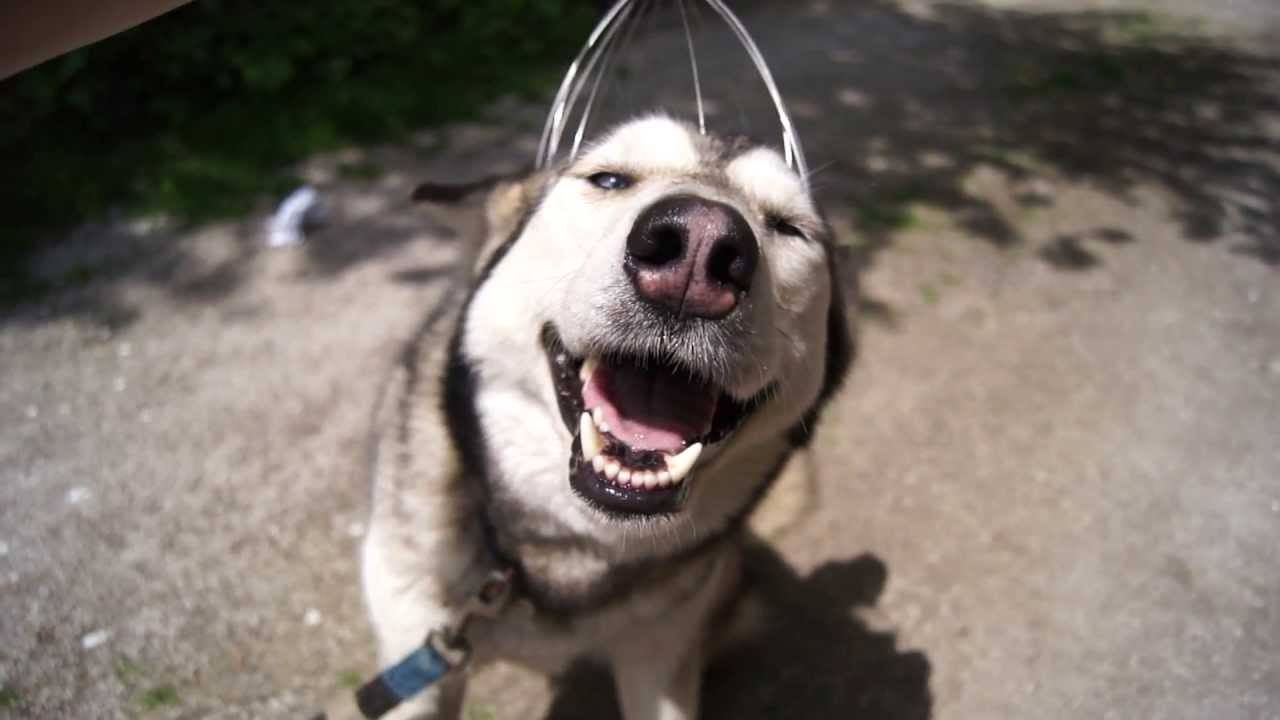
416	672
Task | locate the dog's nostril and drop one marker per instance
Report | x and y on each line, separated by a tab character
733	257
691	256
729	266
662	244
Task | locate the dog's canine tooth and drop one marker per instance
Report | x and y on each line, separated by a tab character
680	465
611	469
588	367
597	462
592	443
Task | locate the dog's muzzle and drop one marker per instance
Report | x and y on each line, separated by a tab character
691	257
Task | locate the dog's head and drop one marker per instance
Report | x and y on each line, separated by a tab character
657	323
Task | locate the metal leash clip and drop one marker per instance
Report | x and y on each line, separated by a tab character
444	650
487	602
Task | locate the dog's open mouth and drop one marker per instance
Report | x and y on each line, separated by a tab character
640	426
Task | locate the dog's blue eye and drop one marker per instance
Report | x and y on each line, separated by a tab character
610	181
782	227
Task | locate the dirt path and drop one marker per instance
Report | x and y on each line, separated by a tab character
1052	488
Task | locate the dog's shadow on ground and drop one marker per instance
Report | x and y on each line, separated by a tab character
814	658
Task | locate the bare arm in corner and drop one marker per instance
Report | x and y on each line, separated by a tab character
32	31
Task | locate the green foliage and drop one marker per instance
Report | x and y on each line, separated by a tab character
198	111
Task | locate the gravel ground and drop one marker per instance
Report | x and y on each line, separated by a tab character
1051	488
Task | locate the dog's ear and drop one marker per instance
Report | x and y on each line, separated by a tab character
456	193
505	202
507	208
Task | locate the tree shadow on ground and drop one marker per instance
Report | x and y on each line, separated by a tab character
898	109
907	107
812	659
88	275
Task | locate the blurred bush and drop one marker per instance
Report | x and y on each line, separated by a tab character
196	112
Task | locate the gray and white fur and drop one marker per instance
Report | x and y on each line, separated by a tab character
473	455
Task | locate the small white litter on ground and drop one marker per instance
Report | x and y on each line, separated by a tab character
94	639
119	384
356	529
288	225
33	412
4	549
77	495
124	350
312	617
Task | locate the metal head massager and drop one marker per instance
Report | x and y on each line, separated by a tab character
591	66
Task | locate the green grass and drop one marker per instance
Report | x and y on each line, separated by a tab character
1134	49
891	208
160	696
350	679
127	671
1144	28
9	698
364	171
132	675
885	217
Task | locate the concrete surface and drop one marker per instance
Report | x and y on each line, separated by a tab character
1051	489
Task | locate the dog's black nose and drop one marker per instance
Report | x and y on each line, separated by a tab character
692	256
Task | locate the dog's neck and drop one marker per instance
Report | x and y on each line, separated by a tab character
564	572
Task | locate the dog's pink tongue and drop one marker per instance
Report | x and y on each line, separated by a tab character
650	409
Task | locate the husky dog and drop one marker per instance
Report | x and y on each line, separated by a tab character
651	330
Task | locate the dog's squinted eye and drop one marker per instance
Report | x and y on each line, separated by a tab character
611	180
779	225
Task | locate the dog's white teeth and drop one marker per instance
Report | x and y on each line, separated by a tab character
592	443
680	465
611	469
650	479
588	367
598	463
624	476
664	477
598	416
